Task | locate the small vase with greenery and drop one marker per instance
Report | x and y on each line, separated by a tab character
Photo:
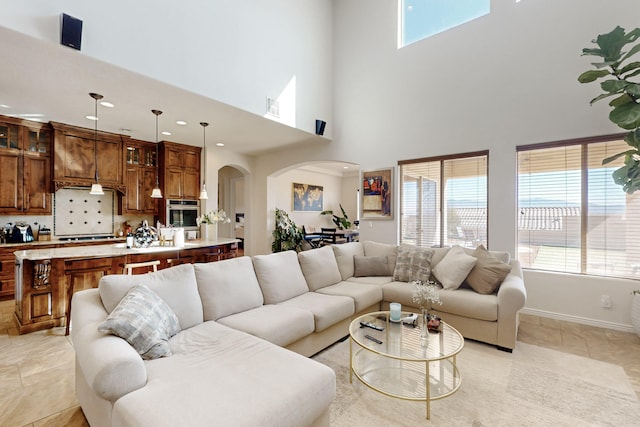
287	235
621	82
342	222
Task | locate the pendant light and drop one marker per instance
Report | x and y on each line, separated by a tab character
203	192
96	189
156	193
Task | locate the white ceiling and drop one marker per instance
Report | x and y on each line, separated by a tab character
53	82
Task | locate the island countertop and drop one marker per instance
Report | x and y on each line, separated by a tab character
114	250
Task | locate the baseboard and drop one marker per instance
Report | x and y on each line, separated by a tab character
577	319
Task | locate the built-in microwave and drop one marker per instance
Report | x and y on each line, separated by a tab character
183	213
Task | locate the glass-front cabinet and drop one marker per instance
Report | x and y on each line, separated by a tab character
25	167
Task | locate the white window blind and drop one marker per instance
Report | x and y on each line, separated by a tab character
571	216
444	201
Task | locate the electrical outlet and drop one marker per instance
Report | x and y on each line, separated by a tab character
605	301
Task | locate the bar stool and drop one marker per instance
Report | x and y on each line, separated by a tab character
128	268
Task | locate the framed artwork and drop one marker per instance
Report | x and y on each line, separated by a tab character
307	197
377	194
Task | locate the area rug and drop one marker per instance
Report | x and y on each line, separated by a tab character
533	386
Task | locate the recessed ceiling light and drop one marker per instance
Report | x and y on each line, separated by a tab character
220	144
31	115
165	132
4	106
94	118
181	122
345	167
107	104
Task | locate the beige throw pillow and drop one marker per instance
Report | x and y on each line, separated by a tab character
488	273
412	263
145	321
454	268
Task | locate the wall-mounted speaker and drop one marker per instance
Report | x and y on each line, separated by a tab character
320	124
70	31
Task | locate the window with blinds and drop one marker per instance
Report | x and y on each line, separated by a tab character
572	217
443	200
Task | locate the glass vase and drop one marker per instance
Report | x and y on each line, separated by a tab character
424	328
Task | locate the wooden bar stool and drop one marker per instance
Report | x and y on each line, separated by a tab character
128	268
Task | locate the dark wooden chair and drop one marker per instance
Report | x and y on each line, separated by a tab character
314	239
331	237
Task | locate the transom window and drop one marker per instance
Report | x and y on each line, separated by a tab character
443	200
572	217
420	19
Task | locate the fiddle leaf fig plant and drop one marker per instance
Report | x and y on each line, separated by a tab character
342	222
622	82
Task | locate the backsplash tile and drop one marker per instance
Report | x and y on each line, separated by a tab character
77	213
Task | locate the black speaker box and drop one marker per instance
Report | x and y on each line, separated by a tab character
320	124
70	31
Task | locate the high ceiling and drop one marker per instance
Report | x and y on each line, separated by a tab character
48	82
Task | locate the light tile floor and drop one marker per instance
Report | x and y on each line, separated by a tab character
37	370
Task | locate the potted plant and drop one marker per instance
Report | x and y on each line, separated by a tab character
287	235
620	75
342	222
623	83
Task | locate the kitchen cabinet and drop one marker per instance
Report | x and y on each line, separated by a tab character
140	177
180	176
75	156
25	167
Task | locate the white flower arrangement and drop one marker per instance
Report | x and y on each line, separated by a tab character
427	293
214	216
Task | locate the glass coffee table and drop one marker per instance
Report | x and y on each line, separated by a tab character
395	361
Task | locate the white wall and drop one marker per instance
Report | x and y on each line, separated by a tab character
234	52
506	79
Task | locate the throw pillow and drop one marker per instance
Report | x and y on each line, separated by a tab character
454	268
145	321
412	264
370	266
488	273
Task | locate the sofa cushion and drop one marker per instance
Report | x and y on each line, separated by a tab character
488	273
413	263
279	276
319	267
227	287
363	295
468	303
344	256
279	324
177	286
371	280
364	266
327	309
145	321
382	249
222	377
454	268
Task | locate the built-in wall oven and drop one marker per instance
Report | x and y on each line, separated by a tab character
183	213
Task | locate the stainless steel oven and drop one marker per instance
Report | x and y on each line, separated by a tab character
183	213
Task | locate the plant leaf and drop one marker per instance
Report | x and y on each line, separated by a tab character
592	75
613	86
632	52
627	115
622	99
629	67
633	138
603	96
617	156
633	89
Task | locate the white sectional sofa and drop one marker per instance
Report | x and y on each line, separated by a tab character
231	361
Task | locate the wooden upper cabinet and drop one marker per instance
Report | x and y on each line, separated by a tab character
74	158
180	166
140	177
25	167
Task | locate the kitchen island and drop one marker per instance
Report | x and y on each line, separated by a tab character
46	278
